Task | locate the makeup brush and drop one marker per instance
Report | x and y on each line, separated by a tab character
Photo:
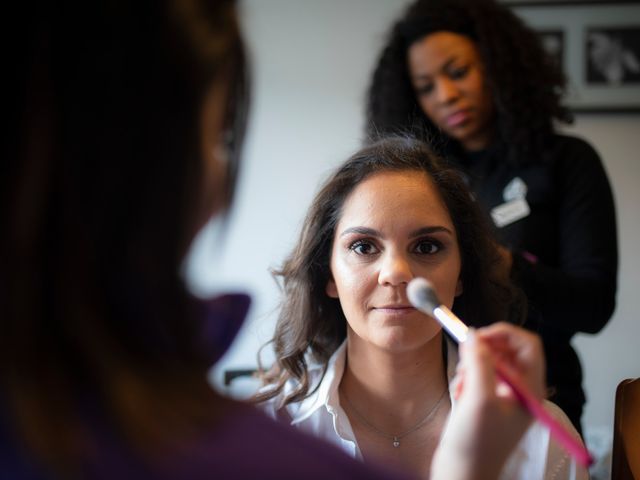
423	297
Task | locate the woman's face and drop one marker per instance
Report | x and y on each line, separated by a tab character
448	77
394	227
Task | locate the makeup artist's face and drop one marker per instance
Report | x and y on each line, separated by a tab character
394	227
448	77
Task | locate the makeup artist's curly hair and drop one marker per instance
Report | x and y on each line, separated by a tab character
525	82
311	322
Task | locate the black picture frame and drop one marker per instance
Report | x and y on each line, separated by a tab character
598	46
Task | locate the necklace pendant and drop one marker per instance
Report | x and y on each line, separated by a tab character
396	442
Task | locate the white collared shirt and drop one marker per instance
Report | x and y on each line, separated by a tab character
536	457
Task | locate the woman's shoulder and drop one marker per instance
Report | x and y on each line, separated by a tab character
558	414
560	417
576	164
323	380
540	450
560	464
274	407
277	407
572	147
538	455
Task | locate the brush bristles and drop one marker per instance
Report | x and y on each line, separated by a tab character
422	295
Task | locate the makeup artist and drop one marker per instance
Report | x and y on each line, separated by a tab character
471	78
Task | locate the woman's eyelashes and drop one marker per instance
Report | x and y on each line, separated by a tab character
458	72
424	89
364	247
427	246
453	73
423	246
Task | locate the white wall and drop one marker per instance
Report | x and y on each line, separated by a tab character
311	62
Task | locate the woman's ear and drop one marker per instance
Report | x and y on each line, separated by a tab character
331	288
459	288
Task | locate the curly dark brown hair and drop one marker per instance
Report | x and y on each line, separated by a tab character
311	322
525	82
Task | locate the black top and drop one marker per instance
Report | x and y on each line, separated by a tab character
564	251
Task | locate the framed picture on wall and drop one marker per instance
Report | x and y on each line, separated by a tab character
598	45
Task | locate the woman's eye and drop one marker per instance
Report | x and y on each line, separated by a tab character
363	248
459	72
425	89
428	247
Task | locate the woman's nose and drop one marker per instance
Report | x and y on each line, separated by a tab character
446	91
394	270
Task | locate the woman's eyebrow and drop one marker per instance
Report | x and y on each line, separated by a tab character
444	66
362	231
416	233
427	230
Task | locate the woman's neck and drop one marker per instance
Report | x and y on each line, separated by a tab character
392	389
397	403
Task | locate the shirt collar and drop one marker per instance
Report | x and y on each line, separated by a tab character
327	391
327	394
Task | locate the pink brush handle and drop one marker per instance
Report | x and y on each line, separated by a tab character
573	446
458	330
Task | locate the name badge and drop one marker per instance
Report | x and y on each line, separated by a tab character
510	212
515	189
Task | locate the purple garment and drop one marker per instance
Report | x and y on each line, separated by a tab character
222	318
244	445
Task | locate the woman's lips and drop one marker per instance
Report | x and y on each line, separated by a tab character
395	309
457	118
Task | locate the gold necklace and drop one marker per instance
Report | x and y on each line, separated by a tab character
395	439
